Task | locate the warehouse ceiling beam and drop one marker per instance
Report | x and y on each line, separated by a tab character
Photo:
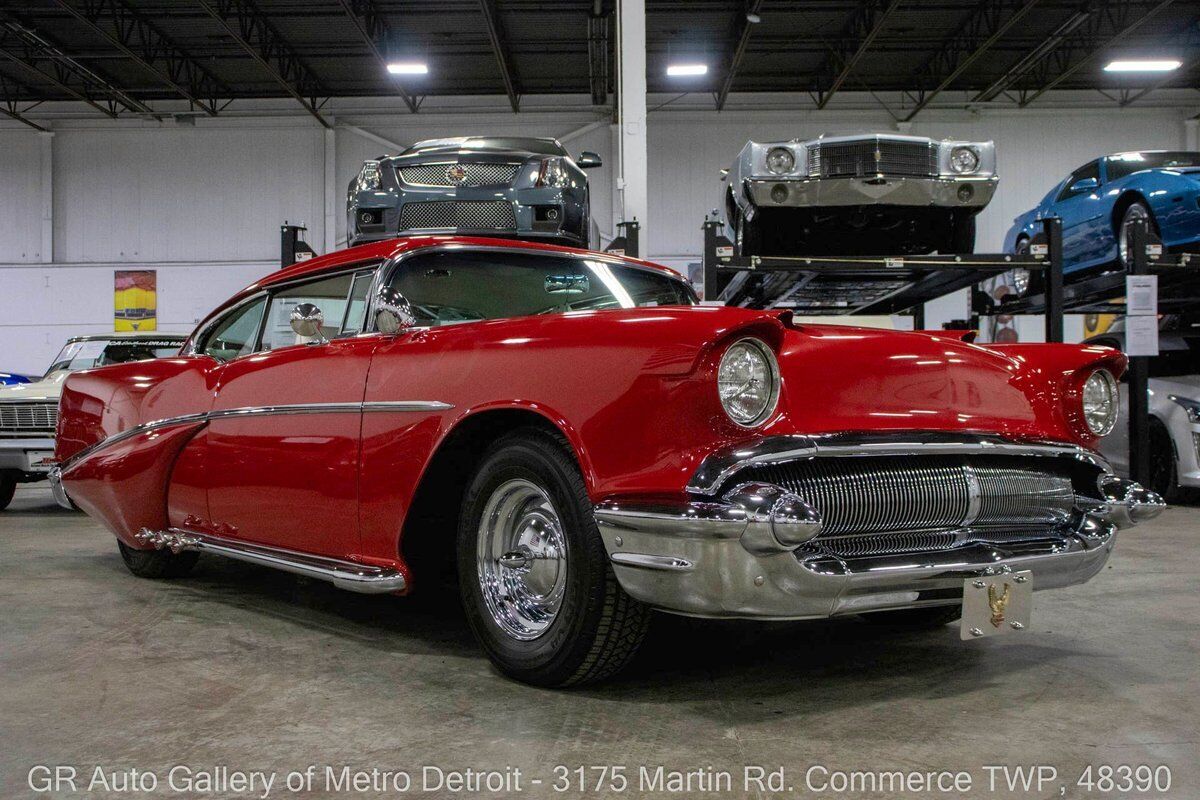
857	37
38	55
10	106
598	58
374	29
986	24
1132	97
500	49
137	38
741	39
249	27
1108	26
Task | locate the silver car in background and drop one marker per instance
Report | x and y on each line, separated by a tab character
521	187
871	194
1174	414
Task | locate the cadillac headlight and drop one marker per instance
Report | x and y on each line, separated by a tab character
368	178
553	173
964	160
748	382
1100	402
1190	406
780	160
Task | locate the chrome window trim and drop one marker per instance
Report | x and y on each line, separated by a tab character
391	265
394	406
716	469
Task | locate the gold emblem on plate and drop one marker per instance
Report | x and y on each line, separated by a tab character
998	603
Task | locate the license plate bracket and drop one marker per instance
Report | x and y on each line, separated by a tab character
996	604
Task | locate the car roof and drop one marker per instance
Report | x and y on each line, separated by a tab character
391	248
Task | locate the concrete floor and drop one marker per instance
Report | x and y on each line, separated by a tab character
251	669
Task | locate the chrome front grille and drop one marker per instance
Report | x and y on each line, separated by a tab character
455	214
868	496
28	418
871	157
441	174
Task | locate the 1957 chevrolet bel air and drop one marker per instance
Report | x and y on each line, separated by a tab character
587	443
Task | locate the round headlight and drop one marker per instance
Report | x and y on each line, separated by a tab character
1100	402
780	160
748	382
964	159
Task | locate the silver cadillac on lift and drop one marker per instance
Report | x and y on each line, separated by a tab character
866	194
521	187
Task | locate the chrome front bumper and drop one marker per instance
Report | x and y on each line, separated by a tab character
15	453
881	190
747	555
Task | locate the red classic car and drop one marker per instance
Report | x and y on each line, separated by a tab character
588	443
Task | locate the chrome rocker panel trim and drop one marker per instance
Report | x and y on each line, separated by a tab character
722	465
394	406
350	575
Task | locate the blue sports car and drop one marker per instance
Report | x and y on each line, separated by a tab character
1099	201
12	379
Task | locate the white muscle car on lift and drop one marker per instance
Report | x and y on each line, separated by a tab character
872	194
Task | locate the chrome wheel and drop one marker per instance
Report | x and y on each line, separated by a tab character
1135	213
521	559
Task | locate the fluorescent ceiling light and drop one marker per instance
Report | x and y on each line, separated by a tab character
1143	65
408	68
684	70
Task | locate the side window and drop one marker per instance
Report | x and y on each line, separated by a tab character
328	294
356	309
1091	170
236	334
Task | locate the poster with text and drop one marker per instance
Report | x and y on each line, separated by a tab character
135	300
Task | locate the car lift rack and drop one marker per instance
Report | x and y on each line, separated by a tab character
847	285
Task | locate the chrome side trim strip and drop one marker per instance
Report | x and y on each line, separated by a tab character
350	575
722	465
395	406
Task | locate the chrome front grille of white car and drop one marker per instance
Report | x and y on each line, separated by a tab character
451	173
922	503
496	215
872	157
26	418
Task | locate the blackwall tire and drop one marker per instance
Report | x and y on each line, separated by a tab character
1136	210
157	564
8	486
574	624
915	618
1164	475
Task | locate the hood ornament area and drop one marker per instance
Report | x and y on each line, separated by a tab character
455	173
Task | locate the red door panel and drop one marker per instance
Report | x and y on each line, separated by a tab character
285	472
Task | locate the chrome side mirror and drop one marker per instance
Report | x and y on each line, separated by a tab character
307	322
393	312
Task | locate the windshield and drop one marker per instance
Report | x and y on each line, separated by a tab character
90	353
1124	164
449	288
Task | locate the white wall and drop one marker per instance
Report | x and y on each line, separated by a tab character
203	204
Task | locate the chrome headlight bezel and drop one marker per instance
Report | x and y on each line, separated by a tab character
770	367
788	162
970	164
1102	416
1189	406
370	177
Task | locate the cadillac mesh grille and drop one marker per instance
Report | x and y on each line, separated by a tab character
456	214
22	418
887	496
473	174
872	157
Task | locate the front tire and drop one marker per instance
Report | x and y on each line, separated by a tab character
962	234
1137	211
8	486
157	564
1164	476
534	576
